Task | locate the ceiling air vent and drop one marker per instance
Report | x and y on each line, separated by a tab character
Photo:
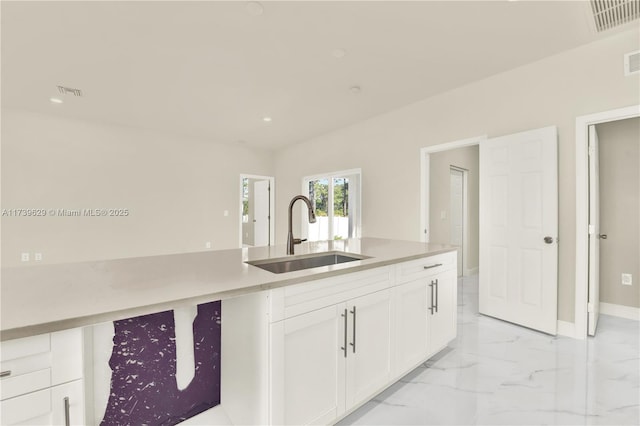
612	13
69	91
632	63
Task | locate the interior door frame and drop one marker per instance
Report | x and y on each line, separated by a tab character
425	158
582	209
465	216
272	206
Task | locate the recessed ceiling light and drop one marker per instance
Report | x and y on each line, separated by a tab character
254	8
55	100
266	119
355	90
338	53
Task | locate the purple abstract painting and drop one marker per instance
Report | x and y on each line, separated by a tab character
144	390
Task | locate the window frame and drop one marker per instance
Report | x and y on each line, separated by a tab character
357	208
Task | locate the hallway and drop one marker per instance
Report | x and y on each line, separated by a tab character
496	373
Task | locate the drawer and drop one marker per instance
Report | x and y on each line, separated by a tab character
294	300
19	385
25	364
425	267
35	362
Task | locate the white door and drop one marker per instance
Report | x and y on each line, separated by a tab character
519	228
593	307
457	213
369	346
261	213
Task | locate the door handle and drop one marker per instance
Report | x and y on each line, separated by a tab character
602	236
354	330
5	373
548	240
436	285
67	417
344	348
432	307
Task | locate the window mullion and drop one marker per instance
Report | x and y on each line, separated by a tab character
330	209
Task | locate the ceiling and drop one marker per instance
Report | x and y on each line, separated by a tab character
214	70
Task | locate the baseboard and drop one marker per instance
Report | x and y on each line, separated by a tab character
621	311
567	329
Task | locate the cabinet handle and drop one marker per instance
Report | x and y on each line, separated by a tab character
433	266
354	329
432	297
437	293
5	373
344	348
67	418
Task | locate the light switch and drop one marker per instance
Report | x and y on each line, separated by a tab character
627	279
38	257
226	213
443	214
24	257
207	244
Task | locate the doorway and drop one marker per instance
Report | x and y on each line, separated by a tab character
256	210
458	214
586	308
614	219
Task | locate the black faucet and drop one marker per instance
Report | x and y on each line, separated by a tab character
291	242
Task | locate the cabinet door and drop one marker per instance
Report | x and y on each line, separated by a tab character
410	325
369	353
46	407
442	318
67	402
308	367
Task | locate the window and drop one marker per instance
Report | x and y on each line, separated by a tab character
336	200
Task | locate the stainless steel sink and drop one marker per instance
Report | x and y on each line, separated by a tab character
297	263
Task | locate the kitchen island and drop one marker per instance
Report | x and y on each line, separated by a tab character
300	347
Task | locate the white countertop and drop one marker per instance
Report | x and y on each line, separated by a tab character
46	298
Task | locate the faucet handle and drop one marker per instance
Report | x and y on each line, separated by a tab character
298	240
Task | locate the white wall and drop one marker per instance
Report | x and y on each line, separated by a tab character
175	187
552	91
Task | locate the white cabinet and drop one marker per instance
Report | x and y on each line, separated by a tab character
325	361
368	354
410	325
425	299
333	344
42	379
308	367
442	303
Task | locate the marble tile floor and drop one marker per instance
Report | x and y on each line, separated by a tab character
497	373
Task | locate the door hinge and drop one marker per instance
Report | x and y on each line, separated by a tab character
592	229
592	150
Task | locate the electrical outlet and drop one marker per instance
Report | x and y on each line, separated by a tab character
627	279
207	244
37	257
225	213
24	257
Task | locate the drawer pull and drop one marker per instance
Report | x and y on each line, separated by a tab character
433	266
67	419
432	307
5	373
344	348
354	329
